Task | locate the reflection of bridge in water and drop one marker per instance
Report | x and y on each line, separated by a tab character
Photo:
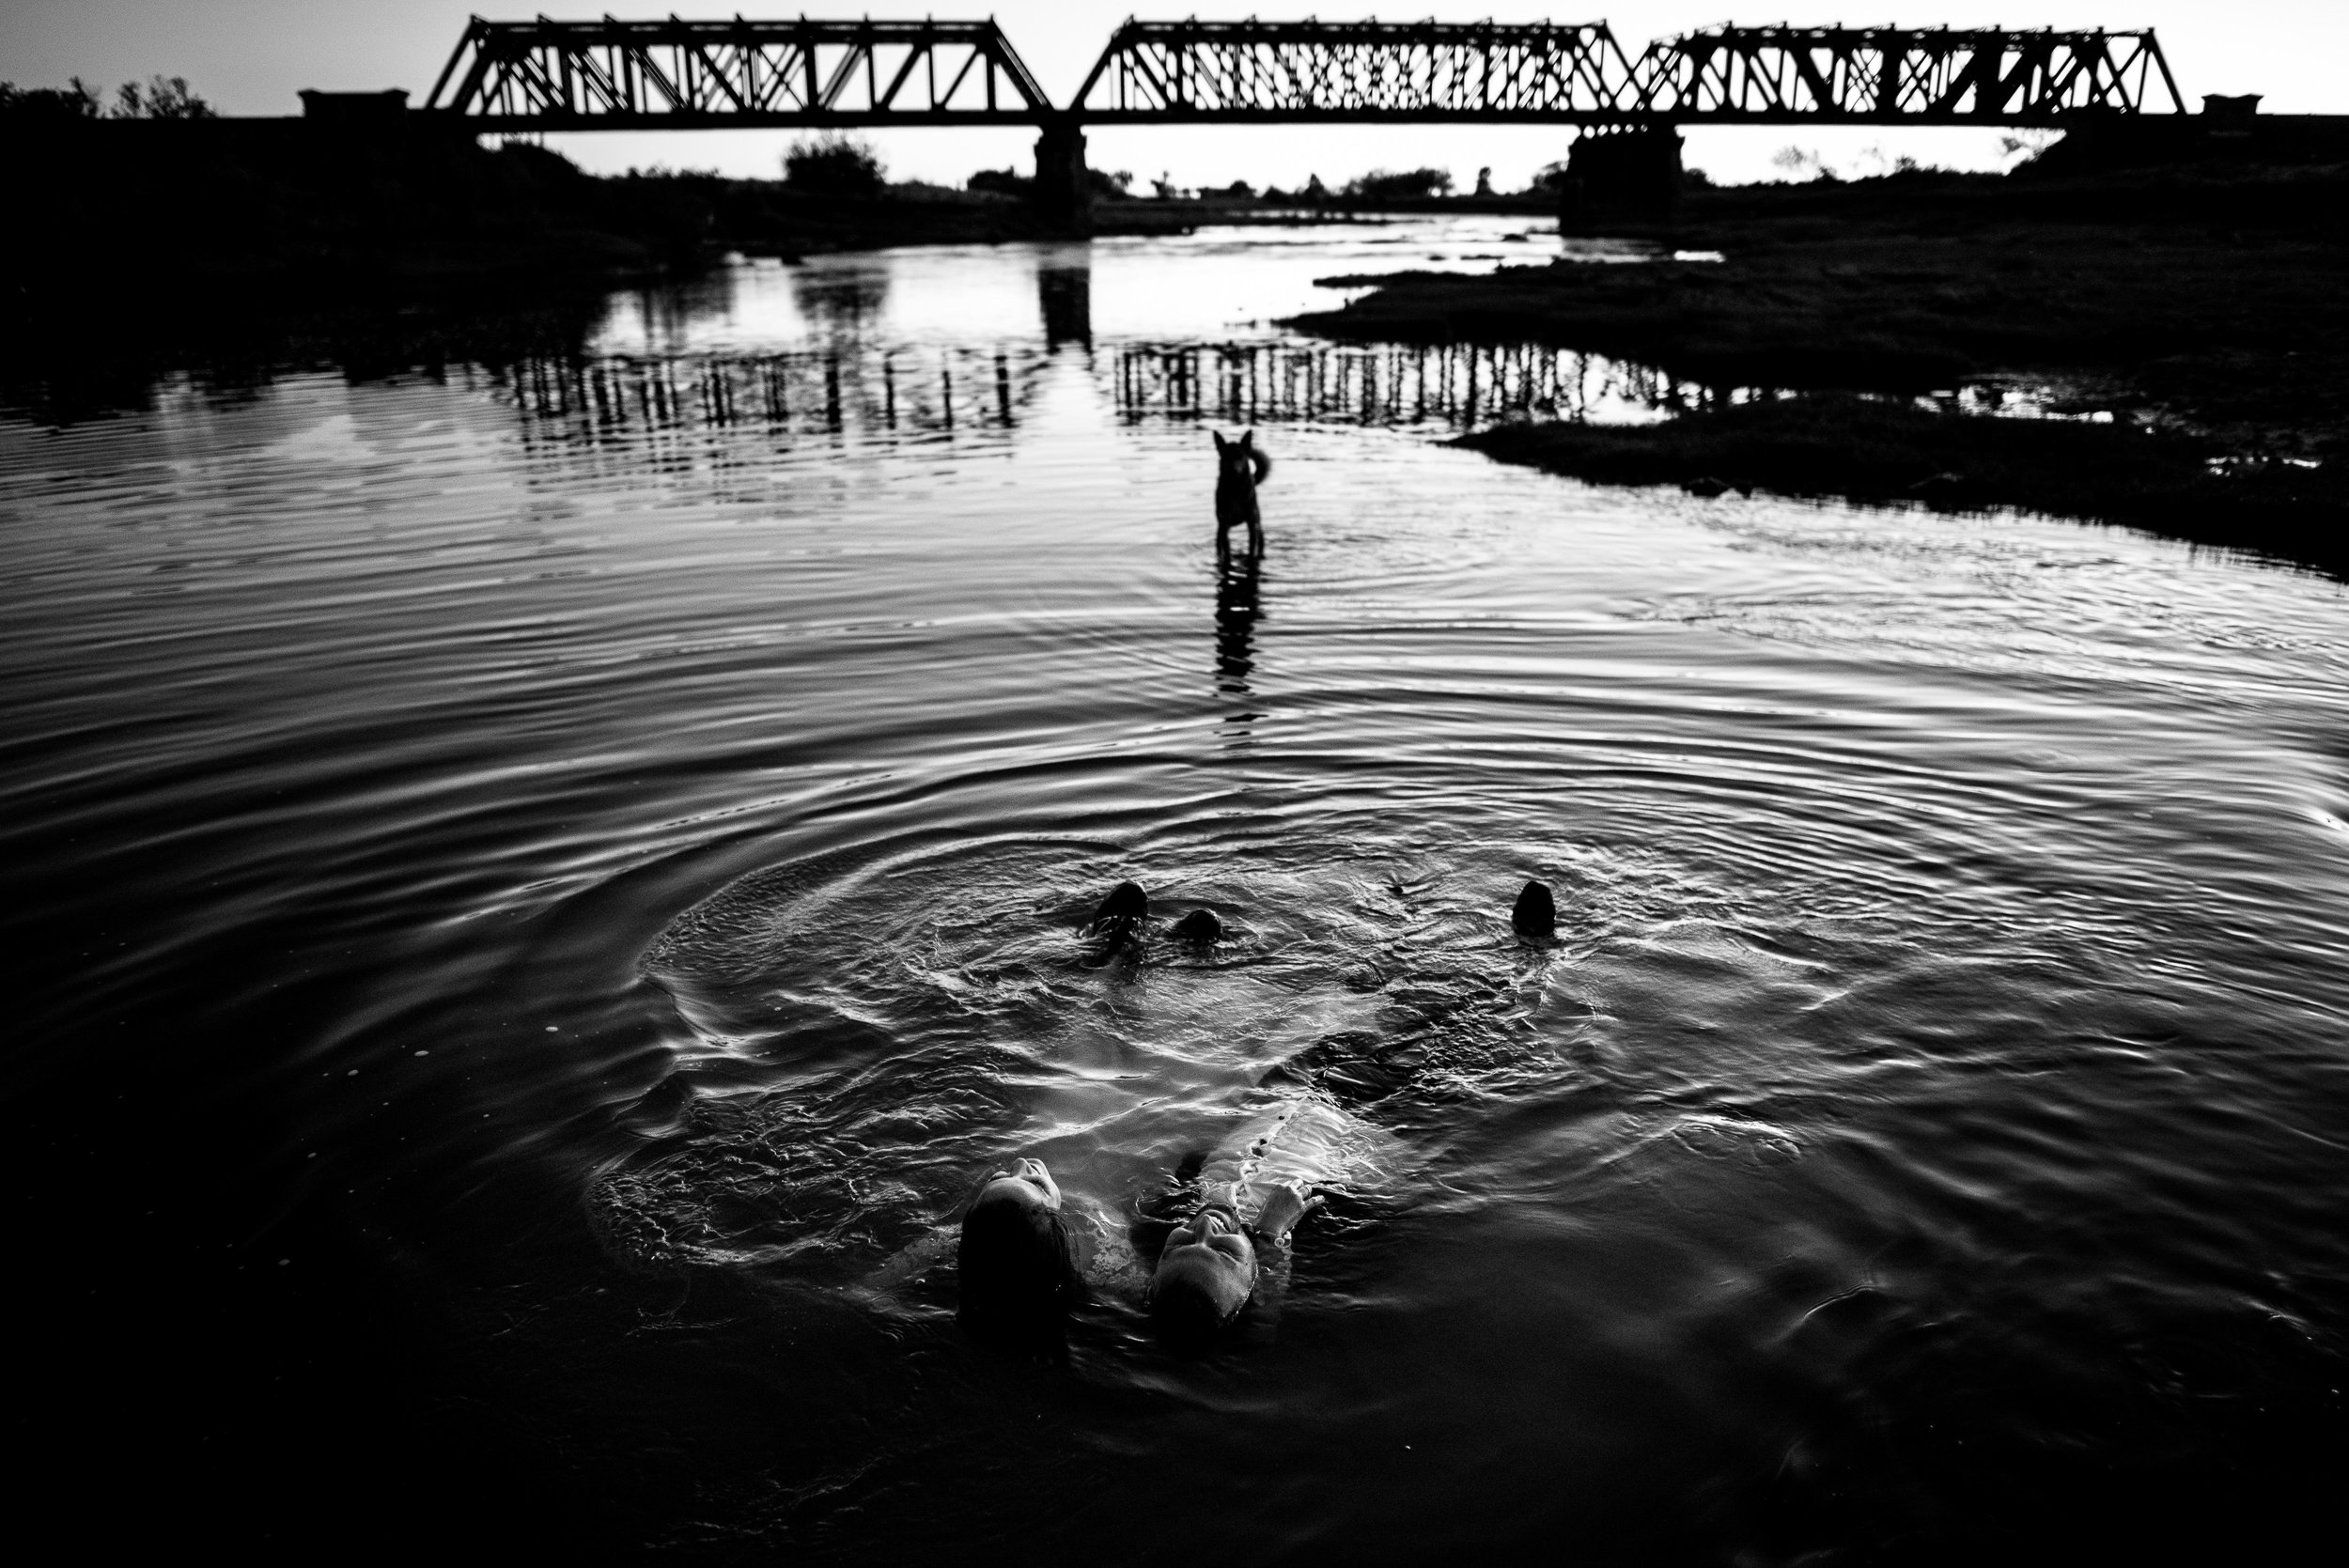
853	383
835	392
1459	386
884	394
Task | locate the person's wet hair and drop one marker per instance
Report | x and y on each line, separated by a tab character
1120	918
1200	926
1185	1309
1017	1260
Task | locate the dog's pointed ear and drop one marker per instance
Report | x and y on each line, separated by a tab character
1248	441
1220	442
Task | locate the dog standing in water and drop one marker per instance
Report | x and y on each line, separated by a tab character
1239	469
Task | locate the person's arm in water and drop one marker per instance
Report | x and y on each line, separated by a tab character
1281	1211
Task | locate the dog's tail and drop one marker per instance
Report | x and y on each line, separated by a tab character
1263	464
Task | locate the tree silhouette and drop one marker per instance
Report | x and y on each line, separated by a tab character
832	166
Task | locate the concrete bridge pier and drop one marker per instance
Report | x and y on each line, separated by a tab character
1618	172
1064	186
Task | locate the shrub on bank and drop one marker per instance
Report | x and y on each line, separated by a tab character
163	98
833	164
1405	185
1000	182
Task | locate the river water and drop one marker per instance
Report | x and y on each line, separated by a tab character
545	882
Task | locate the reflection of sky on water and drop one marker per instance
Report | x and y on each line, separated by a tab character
1217	282
926	338
930	339
2013	400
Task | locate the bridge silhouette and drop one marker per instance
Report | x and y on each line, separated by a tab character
675	74
806	74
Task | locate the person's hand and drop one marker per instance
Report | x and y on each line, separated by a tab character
1283	1210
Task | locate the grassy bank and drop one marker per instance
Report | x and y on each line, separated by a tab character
2213	303
2203	308
1873	450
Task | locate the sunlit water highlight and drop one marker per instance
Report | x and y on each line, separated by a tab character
680	774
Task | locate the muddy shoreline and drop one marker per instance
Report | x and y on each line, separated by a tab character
1836	446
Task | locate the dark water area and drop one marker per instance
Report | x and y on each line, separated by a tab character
539	882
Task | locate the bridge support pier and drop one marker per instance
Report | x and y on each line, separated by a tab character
1617	172
1064	186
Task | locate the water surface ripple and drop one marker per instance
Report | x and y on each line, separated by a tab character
591	848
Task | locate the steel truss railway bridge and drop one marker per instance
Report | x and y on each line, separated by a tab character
674	74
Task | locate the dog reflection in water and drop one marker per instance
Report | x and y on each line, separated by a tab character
1239	469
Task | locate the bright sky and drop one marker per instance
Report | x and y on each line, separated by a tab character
252	56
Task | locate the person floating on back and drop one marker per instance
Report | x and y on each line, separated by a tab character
1213	1262
1253	1191
1018	1258
1239	469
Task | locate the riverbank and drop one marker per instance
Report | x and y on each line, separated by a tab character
1833	444
2202	305
333	212
2204	302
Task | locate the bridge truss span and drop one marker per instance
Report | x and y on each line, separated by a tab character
674	74
1899	77
1159	72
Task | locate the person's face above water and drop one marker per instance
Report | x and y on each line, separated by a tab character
1209	1266
1026	1182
